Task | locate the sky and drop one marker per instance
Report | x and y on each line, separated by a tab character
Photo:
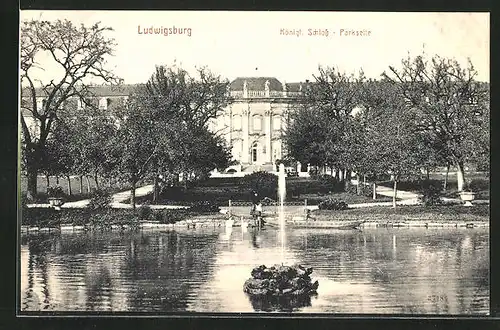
251	44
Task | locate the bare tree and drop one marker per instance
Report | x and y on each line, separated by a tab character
79	54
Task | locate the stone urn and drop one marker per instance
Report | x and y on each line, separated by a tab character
56	202
467	197
56	197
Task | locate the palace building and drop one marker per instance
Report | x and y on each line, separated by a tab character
252	123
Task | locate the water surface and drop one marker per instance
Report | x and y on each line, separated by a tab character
410	271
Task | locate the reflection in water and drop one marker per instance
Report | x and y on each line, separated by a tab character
285	304
203	270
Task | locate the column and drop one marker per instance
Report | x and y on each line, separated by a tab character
244	128
268	129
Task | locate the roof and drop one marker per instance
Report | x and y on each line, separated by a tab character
256	84
293	87
98	90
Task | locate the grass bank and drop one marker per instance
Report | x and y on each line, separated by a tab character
442	213
74	182
48	217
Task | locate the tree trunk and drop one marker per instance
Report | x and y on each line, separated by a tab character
395	193
341	175
96	181
460	176
155	189
132	193
88	184
374	190
69	185
47	178
32	183
57	179
185	179
81	184
358	187
445	185
427	173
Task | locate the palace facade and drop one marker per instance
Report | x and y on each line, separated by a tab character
254	121
252	124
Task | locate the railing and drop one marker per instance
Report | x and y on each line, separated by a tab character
256	94
237	93
263	94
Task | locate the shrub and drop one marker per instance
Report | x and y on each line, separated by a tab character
332	204
55	192
313	172
100	199
23	201
478	185
169	216
204	207
144	212
264	183
102	219
158	216
431	191
328	183
365	190
351	189
39	216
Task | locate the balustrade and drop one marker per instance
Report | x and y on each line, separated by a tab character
262	94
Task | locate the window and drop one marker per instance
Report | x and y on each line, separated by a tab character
41	104
79	104
103	103
236	122
237	146
254	152
276	123
257	123
276	150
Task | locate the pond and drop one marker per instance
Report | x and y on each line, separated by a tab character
403	271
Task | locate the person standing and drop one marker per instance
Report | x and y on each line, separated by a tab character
258	214
255	200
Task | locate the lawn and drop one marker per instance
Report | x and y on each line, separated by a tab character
63	182
480	180
220	191
401	213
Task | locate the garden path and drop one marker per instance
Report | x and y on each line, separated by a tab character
406	198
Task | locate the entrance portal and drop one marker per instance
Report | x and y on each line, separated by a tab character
254	152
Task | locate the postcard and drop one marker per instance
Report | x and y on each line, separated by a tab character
328	163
